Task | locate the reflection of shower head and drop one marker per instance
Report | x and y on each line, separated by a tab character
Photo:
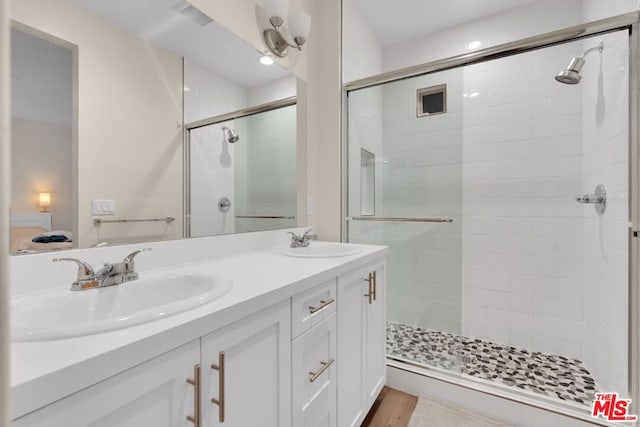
230	135
571	74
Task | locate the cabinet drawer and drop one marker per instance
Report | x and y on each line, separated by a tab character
314	376
312	307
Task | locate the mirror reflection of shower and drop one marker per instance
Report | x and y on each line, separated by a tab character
571	74
230	135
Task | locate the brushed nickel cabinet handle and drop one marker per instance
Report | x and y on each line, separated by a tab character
323	304
375	286
323	367
370	294
220	400
195	382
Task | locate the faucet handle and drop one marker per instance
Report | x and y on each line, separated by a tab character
129	258
85	271
128	264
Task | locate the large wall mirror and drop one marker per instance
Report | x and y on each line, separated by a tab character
144	120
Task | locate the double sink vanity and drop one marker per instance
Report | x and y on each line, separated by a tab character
235	330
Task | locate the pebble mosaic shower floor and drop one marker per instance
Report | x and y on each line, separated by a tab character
555	376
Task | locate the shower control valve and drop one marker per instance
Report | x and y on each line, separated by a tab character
599	198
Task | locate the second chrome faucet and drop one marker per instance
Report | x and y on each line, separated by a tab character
108	275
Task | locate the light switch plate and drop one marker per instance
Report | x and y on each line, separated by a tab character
103	207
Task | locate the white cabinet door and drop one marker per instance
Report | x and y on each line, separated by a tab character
361	342
375	351
314	376
155	393
352	317
246	369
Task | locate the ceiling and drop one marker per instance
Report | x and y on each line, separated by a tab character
212	45
401	20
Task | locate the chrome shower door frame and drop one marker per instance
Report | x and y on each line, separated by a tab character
629	22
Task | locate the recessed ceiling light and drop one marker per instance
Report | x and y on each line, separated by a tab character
186	89
266	60
474	44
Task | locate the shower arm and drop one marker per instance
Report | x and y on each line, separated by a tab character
599	48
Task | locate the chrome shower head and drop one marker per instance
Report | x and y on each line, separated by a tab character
230	135
571	74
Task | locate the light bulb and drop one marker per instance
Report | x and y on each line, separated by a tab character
276	8
266	60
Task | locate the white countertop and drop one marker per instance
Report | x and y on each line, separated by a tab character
45	371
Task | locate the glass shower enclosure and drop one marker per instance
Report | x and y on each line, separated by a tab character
503	194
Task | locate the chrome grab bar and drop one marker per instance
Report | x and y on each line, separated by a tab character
100	221
264	217
378	218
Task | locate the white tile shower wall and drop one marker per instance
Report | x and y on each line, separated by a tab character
208	94
365	132
605	149
265	173
422	178
522	230
212	178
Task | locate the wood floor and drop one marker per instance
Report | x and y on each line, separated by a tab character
392	408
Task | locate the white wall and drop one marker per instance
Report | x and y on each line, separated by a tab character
276	90
5	191
593	10
605	147
42	120
529	20
41	162
129	115
361	51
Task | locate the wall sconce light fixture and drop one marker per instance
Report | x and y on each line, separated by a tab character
44	200
299	24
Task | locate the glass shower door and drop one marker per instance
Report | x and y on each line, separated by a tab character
487	183
405	191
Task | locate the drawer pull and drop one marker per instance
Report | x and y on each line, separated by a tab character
195	382
324	366
220	400
371	281
323	304
375	286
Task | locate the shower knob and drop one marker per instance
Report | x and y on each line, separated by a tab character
224	204
599	198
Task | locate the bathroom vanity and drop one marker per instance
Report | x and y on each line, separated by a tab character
294	342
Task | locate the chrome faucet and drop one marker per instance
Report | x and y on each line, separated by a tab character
108	275
301	241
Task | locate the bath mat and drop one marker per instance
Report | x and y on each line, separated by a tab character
431	414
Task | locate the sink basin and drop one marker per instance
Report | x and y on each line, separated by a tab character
64	313
321	251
